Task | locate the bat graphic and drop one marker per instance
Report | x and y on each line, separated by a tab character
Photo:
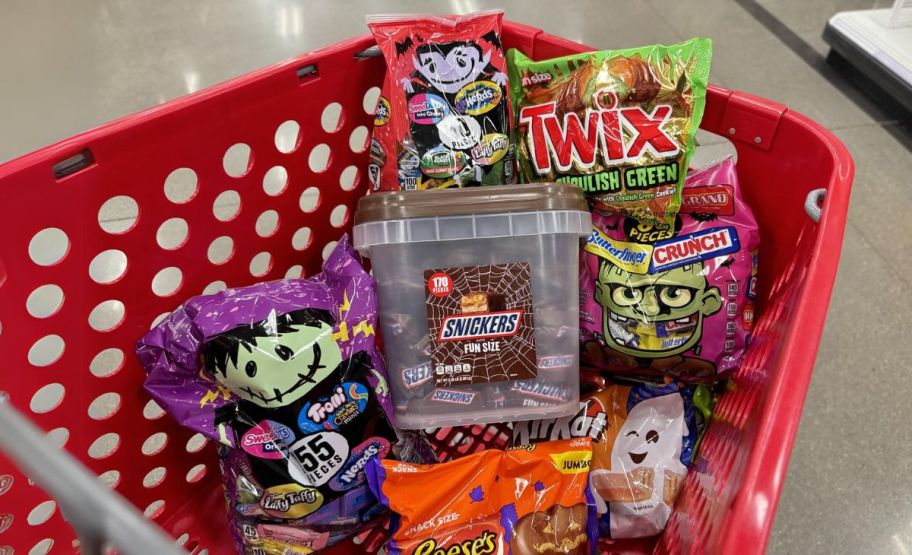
492	37
403	47
704	217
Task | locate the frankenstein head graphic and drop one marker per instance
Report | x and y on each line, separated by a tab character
654	315
274	362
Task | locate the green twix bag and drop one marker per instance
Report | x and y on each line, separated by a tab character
619	124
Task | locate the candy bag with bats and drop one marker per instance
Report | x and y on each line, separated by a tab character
448	101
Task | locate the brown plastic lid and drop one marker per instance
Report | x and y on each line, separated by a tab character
470	200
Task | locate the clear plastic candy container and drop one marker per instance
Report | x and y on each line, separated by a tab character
479	302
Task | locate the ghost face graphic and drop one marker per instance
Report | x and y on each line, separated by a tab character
449	67
651	436
274	363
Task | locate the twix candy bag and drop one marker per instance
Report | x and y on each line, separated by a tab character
618	123
529	500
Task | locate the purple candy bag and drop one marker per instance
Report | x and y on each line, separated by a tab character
676	302
287	377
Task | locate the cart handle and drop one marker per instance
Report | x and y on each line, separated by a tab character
101	517
813	204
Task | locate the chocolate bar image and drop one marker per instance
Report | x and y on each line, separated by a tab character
672	486
482	301
635	486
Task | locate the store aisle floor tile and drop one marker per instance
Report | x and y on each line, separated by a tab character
881	198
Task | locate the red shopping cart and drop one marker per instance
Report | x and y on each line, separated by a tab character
255	179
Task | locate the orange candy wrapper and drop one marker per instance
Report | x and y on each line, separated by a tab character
532	499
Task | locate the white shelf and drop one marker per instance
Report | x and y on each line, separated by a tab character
870	31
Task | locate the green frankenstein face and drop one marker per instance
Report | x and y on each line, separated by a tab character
276	361
657	315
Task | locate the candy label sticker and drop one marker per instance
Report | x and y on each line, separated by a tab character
335	411
551	392
693	247
442	162
427	109
478	98
632	257
317	458
352	474
377	154
452	396
591	421
491	149
709	199
291	501
247	509
268	440
572	462
555	362
373	175
416	375
459	132
409	170
481	326
382	115
747	317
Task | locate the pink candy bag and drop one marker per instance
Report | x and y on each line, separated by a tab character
678	302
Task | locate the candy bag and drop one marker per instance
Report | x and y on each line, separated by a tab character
678	301
449	100
619	124
644	437
526	501
287	378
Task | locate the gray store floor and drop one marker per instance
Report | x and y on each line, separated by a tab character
68	66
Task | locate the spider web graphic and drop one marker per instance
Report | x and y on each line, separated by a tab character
516	358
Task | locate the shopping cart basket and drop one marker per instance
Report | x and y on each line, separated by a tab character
255	179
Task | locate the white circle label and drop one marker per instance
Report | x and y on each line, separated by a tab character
315	459
459	132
